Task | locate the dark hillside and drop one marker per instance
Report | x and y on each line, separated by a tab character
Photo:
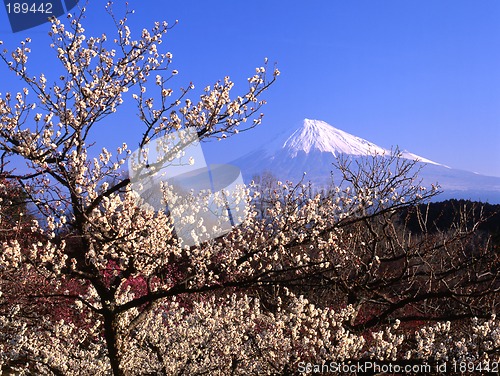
440	216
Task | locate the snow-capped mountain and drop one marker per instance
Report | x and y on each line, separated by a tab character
316	135
315	145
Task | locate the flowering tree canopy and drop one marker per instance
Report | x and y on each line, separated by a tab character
96	283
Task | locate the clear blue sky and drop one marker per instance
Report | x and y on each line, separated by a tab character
424	75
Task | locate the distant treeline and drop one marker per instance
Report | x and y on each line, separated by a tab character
440	216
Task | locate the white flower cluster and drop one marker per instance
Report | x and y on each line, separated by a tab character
218	335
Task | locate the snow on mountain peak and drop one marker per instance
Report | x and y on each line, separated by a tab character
316	135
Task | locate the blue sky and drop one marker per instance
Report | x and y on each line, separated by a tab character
424	75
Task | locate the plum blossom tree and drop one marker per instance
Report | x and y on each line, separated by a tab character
88	230
105	287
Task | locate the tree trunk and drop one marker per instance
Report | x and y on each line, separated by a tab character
111	343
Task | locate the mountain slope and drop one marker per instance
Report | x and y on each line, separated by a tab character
314	146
